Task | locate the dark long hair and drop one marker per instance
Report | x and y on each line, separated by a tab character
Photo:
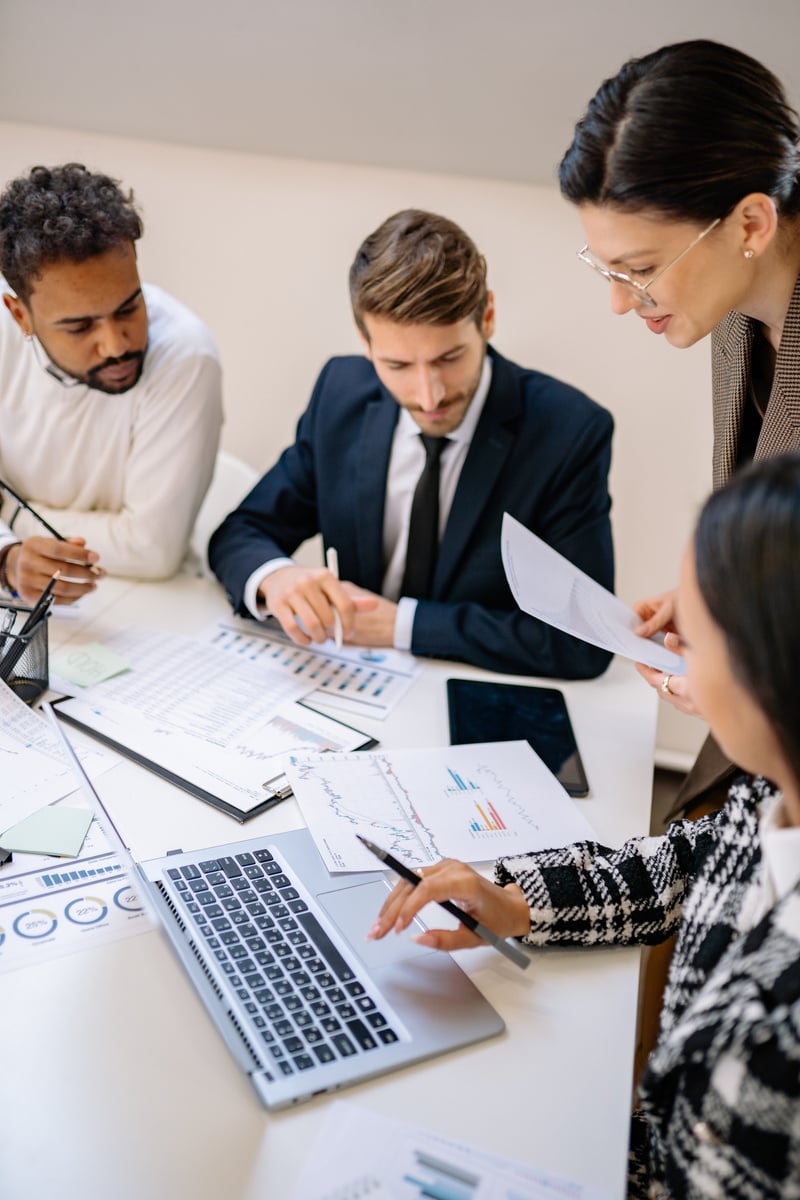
686	131
747	558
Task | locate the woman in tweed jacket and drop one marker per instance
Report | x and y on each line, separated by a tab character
686	173
720	1097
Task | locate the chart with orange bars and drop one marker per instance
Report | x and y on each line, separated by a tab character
473	802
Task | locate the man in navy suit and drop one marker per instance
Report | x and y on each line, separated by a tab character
365	471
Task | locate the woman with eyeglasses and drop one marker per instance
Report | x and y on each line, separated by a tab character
720	1096
686	173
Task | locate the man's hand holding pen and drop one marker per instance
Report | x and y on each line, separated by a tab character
31	563
27	566
303	600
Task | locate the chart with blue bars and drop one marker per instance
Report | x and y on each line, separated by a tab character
59	879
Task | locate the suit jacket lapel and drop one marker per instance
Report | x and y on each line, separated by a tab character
732	348
372	459
781	428
491	445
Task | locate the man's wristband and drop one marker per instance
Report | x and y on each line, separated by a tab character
5	583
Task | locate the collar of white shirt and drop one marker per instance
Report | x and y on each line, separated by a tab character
780	850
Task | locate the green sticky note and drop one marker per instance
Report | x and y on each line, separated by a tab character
50	830
89	664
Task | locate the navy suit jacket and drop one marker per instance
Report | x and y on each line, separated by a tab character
541	451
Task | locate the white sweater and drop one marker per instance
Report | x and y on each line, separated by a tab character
126	472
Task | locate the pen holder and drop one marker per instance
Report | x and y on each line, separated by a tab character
28	676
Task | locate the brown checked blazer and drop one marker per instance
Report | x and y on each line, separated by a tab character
731	352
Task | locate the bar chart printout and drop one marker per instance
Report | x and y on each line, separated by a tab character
367	681
487	819
473	802
360	1155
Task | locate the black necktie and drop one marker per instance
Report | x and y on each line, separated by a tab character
423	528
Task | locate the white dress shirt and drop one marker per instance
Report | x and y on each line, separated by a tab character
780	847
780	857
406	461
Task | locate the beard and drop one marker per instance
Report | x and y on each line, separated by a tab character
94	378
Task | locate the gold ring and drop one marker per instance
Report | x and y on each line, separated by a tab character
665	685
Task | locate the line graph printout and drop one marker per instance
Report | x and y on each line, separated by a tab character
357	679
546	585
472	802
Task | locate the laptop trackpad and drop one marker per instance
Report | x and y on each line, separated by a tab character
354	909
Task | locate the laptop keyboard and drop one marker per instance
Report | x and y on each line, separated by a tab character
301	995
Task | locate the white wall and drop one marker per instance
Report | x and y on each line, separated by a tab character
260	248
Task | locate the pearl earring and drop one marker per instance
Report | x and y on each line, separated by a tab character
749	253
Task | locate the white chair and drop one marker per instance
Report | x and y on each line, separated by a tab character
231	482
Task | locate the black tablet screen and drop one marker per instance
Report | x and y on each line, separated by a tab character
500	712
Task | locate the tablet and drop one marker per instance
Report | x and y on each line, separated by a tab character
483	711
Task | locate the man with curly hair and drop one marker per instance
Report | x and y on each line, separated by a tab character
110	392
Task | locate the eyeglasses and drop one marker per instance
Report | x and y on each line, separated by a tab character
45	362
640	290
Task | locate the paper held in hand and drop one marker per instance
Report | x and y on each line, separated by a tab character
548	586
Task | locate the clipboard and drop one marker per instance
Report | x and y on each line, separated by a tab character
272	797
279	784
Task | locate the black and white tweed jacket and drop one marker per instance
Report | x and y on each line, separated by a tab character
721	1092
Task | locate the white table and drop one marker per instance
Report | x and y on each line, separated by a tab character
113	1081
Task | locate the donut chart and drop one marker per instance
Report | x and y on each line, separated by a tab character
35	923
85	910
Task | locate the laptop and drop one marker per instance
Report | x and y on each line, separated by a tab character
276	949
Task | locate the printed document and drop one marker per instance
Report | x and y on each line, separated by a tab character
367	681
50	907
472	802
360	1155
33	768
548	586
225	725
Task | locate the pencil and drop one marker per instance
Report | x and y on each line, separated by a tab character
511	951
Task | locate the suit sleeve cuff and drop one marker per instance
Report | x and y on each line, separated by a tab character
252	601
404	623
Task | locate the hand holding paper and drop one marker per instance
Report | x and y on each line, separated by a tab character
546	585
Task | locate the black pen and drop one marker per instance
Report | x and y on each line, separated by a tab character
24	504
38	517
41	606
507	948
15	651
